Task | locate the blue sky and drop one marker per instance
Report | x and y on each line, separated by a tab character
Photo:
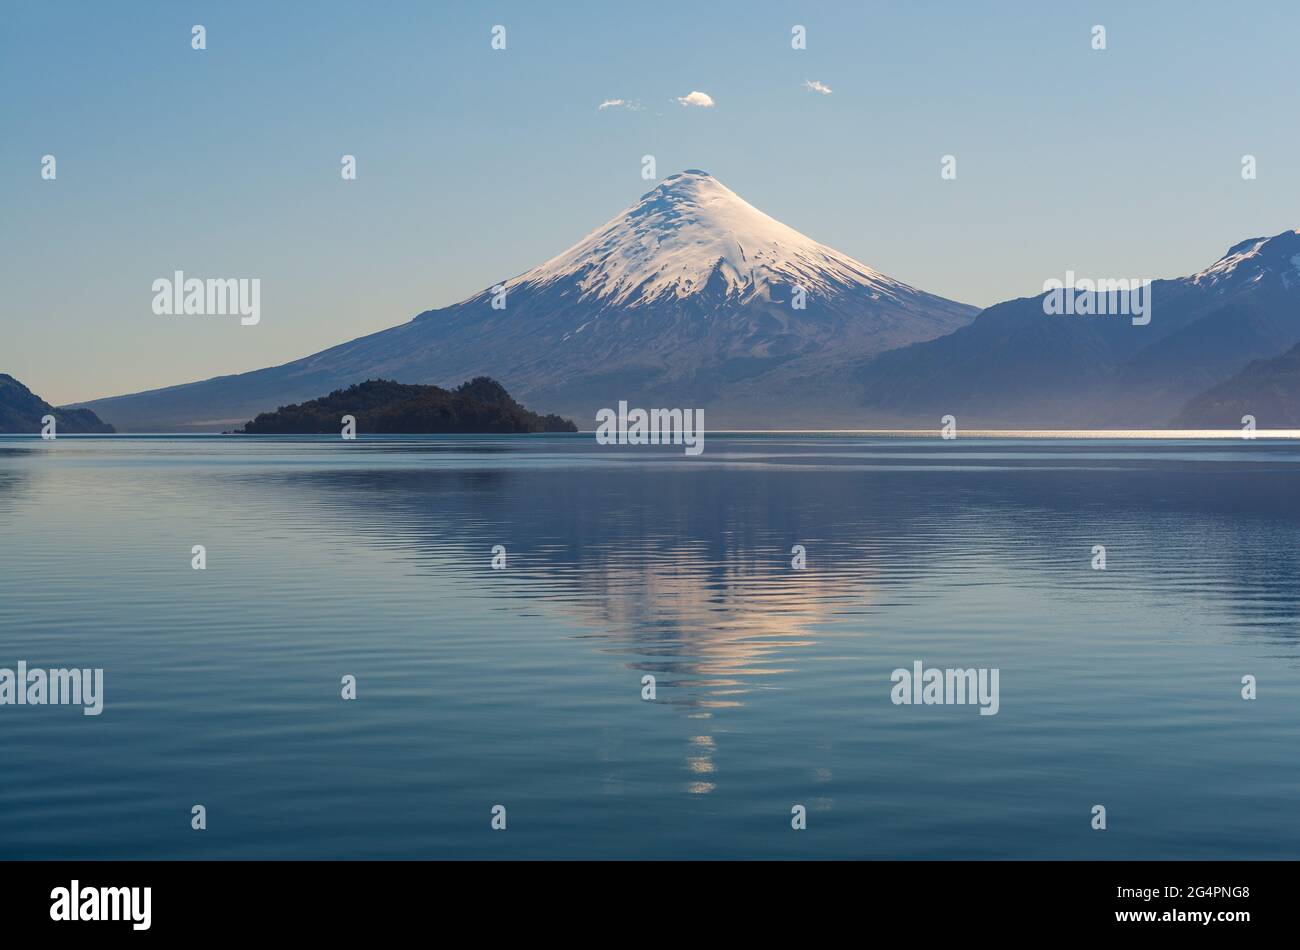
475	164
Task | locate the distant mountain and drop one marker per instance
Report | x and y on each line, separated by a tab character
381	406
1016	365
1269	390
685	299
21	410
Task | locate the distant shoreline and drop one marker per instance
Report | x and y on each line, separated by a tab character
1040	434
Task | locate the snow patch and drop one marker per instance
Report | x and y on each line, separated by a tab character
691	234
1250	260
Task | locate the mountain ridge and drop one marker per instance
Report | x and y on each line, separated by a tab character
688	296
685	298
1016	365
21	411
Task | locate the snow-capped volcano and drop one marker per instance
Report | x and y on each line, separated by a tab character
693	233
690	298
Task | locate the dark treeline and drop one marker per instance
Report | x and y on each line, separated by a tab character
383	406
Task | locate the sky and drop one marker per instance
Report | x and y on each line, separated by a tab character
475	164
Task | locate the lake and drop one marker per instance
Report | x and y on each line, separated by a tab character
523	686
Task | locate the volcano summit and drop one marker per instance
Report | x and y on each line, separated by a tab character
690	297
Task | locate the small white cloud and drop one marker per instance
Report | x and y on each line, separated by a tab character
630	104
701	99
816	85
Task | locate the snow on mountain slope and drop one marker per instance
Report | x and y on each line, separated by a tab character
691	232
1253	260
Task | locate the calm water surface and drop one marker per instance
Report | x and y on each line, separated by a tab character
523	687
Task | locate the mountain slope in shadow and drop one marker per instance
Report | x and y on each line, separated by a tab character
1016	365
1269	390
21	411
